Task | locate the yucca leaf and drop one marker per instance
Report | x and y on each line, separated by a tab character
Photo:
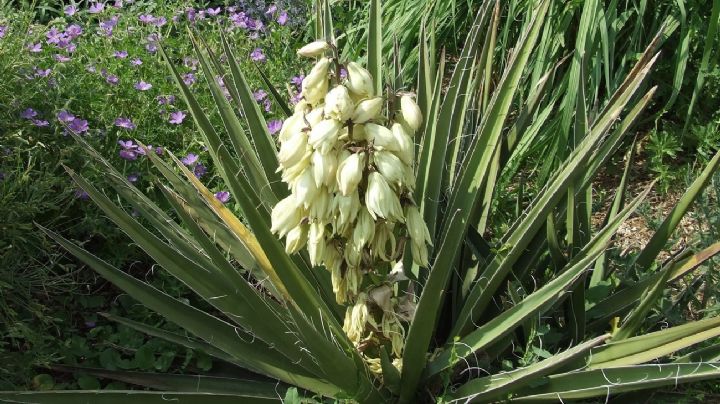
491	388
647	347
425	77
600	270
423	326
523	230
259	133
181	340
705	64
438	132
187	383
622	300
707	354
537	302
243	148
254	354
125	396
605	382
657	242
279	99
374	45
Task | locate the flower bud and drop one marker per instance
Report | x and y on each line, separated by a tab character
405	148
324	135
316	243
391	167
410	112
379	244
314	49
290	174
364	230
338	104
359	80
352	256
291	126
293	150
315	85
315	116
358	132
324	168
367	110
345	209
296	239
380	199
381	136
350	172
320	207
285	216
417	229
305	189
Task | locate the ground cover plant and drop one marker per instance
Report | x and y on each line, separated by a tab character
97	71
399	278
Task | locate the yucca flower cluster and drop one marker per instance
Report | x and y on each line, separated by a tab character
350	172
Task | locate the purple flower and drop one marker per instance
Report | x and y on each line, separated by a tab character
259	95
271	9
54	36
41	72
190	159
3	29
81	194
65	116
61	58
40	123
28	114
257	55
112	79
188	79
133	178
118	4
126	144
151	47
190	63
70	10
159	150
91	69
222	196
274	126
199	170
177	117
78	125
125	123
146	18
297	81
266	105
127	154
35	48
160	21
142	86
120	54
213	11
282	18
136	62
343	73
73	31
96	8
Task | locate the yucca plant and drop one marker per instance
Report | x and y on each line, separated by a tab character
393	283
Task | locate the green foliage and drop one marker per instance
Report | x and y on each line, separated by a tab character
507	290
48	302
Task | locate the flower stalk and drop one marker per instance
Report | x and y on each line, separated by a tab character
350	171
